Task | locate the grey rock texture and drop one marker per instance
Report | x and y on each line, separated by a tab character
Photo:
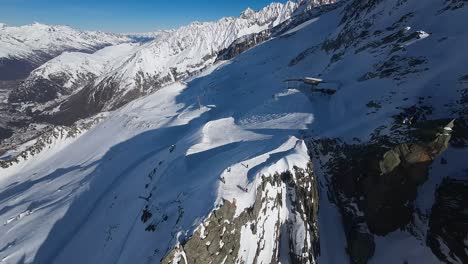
218	238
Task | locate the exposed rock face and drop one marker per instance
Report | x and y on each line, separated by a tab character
361	245
305	11
289	198
248	13
448	224
242	44
5	133
80	88
402	169
375	186
307	5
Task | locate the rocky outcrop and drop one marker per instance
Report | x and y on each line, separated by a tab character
448	223
402	170
218	239
306	10
242	44
375	185
5	133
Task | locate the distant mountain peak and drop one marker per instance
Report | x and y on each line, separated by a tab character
247	13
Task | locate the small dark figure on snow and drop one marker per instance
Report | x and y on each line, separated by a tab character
172	148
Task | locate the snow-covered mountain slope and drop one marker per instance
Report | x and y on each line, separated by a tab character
307	5
36	43
174	56
144	132
218	169
304	14
24	41
68	72
187	50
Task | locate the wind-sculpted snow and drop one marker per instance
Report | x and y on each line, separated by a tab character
101	182
156	178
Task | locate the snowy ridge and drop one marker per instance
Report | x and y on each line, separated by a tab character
266	221
172	56
24	42
193	47
295	155
68	73
72	65
217	170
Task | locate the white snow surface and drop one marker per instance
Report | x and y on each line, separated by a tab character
89	186
74	64
192	48
301	26
24	42
187	50
78	201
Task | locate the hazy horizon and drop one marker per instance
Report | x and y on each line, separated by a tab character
121	16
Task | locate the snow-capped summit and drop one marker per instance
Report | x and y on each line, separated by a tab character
26	47
172	56
25	41
247	13
233	166
279	11
190	49
67	72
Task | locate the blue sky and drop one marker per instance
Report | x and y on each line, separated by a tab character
122	15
